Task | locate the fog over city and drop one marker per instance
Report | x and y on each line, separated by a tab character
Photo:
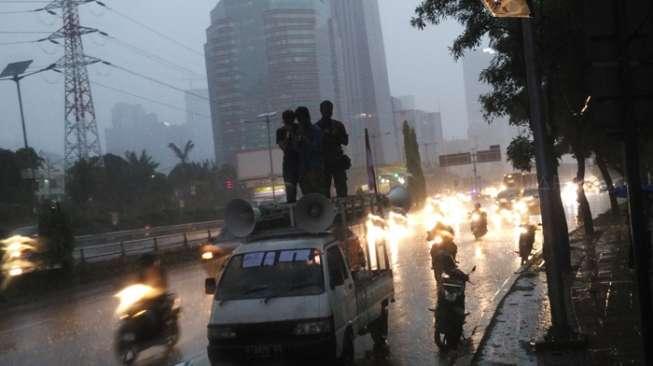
419	64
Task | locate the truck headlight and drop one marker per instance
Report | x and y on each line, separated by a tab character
313	327
221	332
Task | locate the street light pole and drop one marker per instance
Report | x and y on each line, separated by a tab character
267	122
16	79
553	226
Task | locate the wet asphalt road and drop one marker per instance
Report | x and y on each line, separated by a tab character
79	329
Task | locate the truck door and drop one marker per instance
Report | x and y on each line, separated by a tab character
343	292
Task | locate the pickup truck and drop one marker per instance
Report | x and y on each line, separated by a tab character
293	296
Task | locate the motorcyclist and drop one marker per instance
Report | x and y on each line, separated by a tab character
482	214
152	273
443	249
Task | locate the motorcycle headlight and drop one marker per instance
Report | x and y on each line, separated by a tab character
438	239
207	256
313	327
476	217
221	332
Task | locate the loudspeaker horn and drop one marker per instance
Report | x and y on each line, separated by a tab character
399	197
314	213
241	217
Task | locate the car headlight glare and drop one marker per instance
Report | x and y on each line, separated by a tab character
313	327
221	332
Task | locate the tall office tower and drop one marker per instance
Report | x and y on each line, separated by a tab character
362	78
198	122
264	56
479	132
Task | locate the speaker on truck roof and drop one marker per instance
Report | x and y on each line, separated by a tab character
241	218
400	197
314	213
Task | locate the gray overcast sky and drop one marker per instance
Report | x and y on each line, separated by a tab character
418	63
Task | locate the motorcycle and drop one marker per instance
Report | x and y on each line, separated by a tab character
148	318
478	224
526	240
450	310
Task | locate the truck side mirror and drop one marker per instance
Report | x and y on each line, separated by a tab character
209	286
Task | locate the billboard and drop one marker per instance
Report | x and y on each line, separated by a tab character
255	164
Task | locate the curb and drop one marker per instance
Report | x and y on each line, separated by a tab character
487	320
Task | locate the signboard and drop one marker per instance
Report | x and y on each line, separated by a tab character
255	164
455	159
507	8
487	156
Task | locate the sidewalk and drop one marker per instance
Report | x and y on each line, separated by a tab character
604	307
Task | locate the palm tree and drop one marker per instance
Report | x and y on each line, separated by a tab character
143	163
182	155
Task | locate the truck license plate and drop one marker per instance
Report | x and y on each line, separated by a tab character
263	350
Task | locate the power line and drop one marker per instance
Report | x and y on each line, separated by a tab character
18	11
117	90
16	42
155	57
157	81
24	32
160	34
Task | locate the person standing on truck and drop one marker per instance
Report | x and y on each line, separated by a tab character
336	163
286	139
309	140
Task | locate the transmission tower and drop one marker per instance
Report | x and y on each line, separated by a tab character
81	139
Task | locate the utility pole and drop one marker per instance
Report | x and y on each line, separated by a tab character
554	226
640	235
267	117
81	139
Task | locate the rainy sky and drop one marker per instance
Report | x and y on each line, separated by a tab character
419	63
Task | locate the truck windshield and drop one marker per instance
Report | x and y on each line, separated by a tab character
269	274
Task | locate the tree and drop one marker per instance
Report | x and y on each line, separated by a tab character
561	45
521	153
182	154
416	182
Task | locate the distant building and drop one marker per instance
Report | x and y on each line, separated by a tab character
263	56
133	129
363	85
198	121
479	132
271	55
427	125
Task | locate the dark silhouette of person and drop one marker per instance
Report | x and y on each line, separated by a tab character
336	163
309	146
287	141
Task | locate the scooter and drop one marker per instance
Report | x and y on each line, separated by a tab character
450	310
148	318
478	225
526	240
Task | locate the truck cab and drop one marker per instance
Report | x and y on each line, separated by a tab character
290	295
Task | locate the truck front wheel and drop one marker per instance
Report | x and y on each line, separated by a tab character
348	352
379	328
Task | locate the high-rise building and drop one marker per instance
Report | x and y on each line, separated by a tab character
198	121
262	56
362	78
479	132
427	125
133	129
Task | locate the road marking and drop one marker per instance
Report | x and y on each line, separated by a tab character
25	326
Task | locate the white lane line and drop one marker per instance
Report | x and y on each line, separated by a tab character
25	326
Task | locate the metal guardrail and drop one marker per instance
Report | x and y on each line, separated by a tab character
126	235
121	249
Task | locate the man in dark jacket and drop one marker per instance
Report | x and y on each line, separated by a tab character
287	141
336	163
309	146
